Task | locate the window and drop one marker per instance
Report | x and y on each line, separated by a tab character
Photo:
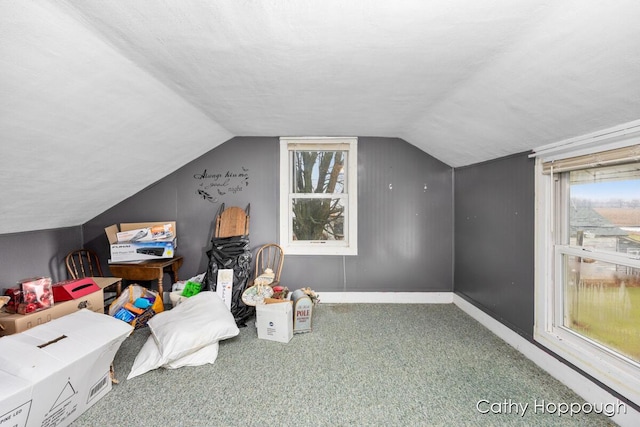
318	196
588	263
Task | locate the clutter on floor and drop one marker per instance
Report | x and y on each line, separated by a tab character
187	335
230	250
278	319
68	296
184	289
136	305
211	306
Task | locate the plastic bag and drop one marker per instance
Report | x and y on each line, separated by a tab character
128	296
231	253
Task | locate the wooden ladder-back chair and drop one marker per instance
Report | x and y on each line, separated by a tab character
83	263
270	256
233	221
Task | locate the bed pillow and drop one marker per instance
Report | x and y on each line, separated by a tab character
149	358
200	320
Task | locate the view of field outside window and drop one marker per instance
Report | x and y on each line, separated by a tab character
602	299
319	184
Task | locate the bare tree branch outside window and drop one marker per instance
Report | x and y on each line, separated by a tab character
318	172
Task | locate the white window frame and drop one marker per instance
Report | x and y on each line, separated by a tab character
348	246
615	371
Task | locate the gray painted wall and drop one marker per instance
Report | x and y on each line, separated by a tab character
405	230
36	253
494	239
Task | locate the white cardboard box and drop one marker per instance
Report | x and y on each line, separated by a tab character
275	321
15	393
52	373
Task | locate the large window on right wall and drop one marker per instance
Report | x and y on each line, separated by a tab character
588	263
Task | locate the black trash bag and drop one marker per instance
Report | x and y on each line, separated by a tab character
231	253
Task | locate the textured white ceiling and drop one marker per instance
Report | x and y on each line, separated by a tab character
94	93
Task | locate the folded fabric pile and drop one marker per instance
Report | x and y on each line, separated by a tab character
187	335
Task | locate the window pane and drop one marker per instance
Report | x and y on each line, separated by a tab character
319	172
602	303
318	219
604	210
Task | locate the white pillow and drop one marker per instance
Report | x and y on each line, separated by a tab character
198	321
149	358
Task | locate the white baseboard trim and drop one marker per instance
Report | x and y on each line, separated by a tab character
588	390
386	297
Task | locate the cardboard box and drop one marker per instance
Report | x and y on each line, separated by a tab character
275	321
58	370
14	323
147	234
140	250
73	289
15	395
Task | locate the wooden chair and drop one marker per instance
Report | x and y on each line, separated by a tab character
233	221
85	263
270	256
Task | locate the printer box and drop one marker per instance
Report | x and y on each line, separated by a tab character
275	321
56	371
14	323
140	250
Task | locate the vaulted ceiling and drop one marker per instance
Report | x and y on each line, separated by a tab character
100	98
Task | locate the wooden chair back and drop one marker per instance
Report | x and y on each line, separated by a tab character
270	256
83	263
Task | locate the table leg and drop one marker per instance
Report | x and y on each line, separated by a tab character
160	292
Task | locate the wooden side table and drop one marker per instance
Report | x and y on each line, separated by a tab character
149	270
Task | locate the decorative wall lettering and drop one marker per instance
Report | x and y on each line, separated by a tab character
212	185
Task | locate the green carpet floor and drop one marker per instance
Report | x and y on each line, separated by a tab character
363	365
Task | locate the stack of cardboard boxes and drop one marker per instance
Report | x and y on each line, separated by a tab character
279	319
68	297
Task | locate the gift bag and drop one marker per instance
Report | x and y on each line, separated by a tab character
123	307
